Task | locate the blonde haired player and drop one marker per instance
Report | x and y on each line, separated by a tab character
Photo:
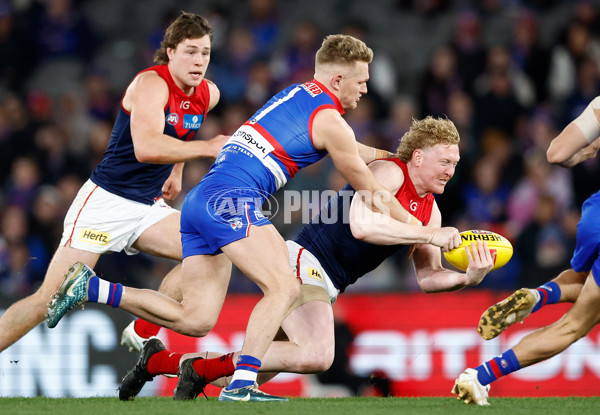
221	221
346	241
577	142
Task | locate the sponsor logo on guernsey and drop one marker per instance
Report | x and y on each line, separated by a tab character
314	274
312	88
258	215
172	119
413	205
252	140
192	121
94	237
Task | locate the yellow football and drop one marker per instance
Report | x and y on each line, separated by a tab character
496	243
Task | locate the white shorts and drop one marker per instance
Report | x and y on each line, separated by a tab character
99	221
309	270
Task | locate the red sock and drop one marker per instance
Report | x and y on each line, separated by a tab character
213	369
145	329
164	363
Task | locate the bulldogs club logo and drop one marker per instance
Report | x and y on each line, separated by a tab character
236	224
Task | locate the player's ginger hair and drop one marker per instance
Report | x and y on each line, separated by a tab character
426	133
186	26
342	50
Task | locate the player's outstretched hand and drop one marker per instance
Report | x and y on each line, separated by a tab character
216	144
446	238
481	261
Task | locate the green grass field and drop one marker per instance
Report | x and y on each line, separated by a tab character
299	406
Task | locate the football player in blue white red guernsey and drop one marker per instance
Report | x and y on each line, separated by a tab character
343	243
577	142
221	215
121	206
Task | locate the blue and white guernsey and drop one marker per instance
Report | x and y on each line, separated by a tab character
276	142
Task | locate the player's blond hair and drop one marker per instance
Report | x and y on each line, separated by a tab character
186	26
343	50
426	133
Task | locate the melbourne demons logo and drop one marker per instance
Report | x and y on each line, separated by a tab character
172	119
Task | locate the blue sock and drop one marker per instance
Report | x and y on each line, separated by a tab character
245	373
549	294
497	367
104	292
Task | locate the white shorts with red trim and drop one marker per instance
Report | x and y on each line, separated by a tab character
99	221
308	269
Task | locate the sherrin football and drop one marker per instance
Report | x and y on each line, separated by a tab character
497	243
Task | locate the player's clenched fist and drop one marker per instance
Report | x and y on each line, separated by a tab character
446	238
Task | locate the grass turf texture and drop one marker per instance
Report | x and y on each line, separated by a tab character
299	406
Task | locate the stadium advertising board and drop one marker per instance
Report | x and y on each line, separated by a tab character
421	342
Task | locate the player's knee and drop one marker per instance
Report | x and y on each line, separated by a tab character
195	327
317	361
324	360
287	290
317	356
293	291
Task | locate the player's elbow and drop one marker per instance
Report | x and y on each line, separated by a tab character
359	231
429	282
553	156
426	288
144	156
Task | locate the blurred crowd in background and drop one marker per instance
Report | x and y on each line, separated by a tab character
509	73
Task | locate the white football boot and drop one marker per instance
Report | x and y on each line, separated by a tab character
469	390
131	339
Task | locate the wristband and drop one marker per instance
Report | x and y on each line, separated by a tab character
588	121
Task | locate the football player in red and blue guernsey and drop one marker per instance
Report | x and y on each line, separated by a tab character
121	206
336	248
222	215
